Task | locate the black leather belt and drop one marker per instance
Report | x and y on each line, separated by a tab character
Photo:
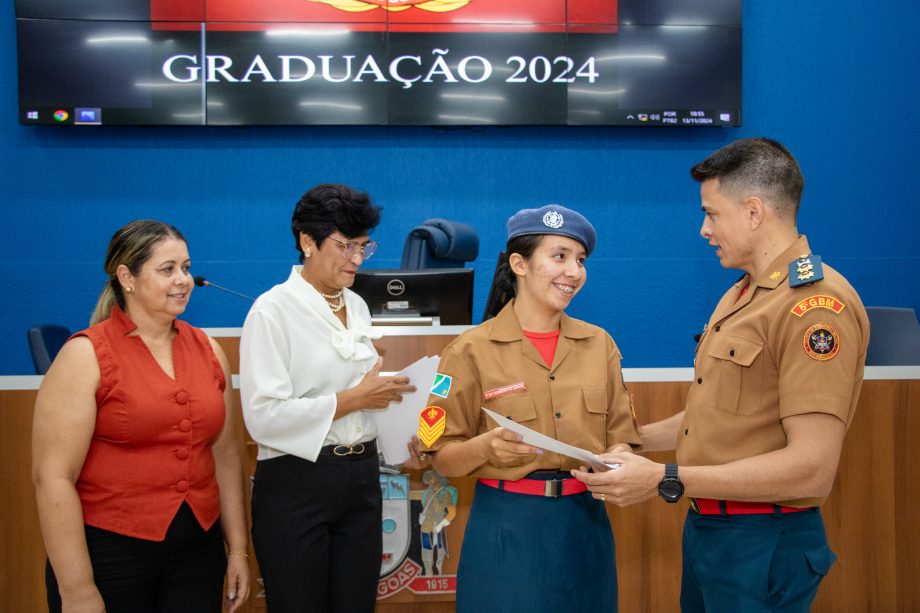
356	450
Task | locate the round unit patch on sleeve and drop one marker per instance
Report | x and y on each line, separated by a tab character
821	342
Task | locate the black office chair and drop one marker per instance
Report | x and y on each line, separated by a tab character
45	340
894	337
440	243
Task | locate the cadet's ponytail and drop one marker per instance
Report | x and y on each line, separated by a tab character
504	283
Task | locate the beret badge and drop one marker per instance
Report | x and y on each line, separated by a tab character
553	219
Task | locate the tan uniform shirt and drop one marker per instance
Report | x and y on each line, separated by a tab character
774	352
582	400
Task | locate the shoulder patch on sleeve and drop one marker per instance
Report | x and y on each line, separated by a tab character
431	424
805	270
821	342
818	301
441	385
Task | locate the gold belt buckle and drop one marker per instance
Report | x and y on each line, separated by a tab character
552	488
344	450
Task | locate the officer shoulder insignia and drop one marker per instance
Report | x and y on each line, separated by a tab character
805	270
821	342
431	424
818	301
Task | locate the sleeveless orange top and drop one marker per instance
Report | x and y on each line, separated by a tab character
151	448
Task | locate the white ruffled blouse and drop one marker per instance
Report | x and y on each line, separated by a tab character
295	355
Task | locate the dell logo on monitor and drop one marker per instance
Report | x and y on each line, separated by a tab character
396	287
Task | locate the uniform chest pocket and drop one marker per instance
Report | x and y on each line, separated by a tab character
595	399
735	382
518	408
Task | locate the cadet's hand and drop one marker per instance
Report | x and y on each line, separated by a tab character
376	392
502	447
636	480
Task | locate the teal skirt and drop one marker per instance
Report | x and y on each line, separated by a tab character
524	553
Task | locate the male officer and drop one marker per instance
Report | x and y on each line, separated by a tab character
777	375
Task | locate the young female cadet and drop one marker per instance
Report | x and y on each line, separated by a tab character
536	540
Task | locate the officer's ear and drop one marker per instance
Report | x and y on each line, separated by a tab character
755	209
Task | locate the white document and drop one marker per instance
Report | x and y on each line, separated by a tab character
548	443
399	421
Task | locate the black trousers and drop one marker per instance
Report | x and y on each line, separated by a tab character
316	528
182	573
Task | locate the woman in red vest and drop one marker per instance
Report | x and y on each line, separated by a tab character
134	452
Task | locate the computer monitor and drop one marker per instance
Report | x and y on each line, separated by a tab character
446	293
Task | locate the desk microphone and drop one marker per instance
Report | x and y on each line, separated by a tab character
202	282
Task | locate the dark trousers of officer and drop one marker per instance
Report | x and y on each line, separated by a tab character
316	528
753	563
182	573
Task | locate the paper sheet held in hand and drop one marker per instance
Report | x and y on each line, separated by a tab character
547	443
399	421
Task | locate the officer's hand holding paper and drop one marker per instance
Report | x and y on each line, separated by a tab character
547	443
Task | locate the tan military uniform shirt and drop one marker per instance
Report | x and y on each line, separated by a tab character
582	400
775	352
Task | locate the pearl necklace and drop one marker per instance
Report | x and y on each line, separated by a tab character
339	296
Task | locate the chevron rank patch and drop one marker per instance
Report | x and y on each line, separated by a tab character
441	385
431	423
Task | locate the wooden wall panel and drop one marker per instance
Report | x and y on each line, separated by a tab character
870	515
860	513
907	501
22	555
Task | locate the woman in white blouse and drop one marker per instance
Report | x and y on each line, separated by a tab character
308	369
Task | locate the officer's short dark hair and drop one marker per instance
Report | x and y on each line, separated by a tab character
756	167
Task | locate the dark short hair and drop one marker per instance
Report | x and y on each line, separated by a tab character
756	167
330	207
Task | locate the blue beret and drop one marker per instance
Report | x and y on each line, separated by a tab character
553	219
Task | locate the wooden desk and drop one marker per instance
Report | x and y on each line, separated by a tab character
871	515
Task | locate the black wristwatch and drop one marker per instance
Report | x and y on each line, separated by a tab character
670	488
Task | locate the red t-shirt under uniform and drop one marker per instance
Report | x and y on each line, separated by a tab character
151	448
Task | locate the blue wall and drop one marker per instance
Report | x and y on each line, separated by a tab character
836	82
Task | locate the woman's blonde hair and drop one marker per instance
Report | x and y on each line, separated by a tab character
132	245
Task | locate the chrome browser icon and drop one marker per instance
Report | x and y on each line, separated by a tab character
61	115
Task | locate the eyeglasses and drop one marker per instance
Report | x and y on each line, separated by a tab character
350	249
